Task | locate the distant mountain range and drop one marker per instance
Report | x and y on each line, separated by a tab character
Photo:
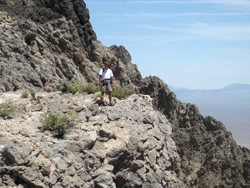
234	94
231	105
237	87
228	88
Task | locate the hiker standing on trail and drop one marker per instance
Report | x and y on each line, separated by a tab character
106	81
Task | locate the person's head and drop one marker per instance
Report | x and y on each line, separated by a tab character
106	63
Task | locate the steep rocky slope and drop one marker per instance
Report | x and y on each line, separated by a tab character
210	156
127	145
45	42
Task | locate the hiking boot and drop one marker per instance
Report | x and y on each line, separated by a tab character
101	104
111	104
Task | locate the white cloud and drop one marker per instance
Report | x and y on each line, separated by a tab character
232	2
156	15
147	40
223	2
103	2
136	38
228	32
234	51
189	32
152	27
113	15
203	31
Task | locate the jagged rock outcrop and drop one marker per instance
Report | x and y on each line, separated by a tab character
126	73
42	11
127	145
45	42
51	43
210	157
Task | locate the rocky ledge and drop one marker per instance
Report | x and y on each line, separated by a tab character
125	145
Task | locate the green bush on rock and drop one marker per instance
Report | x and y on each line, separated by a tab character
33	94
75	87
121	92
80	87
90	88
25	93
58	123
7	109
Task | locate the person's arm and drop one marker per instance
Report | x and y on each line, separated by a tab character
100	80
111	80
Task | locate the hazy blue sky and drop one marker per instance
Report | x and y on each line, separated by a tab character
197	44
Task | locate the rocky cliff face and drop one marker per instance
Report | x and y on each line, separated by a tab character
45	42
52	42
209	155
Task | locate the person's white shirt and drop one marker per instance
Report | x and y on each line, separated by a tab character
106	74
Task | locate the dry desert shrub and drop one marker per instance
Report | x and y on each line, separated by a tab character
6	109
25	93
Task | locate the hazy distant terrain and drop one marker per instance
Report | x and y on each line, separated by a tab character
230	105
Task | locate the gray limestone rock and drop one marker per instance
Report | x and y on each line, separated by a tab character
146	140
17	154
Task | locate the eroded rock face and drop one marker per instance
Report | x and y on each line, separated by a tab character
126	145
209	155
51	43
33	56
42	11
